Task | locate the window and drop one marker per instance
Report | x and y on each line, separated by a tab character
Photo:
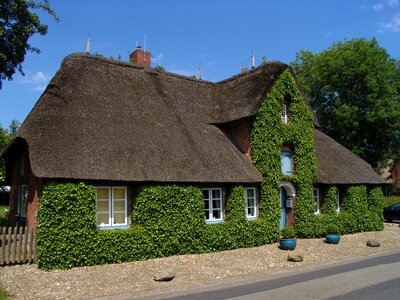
21	201
337	201
213	205
251	202
111	207
286	162
317	201
284	116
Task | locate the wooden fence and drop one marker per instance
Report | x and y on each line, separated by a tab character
17	245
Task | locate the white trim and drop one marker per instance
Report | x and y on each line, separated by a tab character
317	199
250	216
289	187
211	208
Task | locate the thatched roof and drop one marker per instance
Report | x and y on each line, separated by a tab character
108	120
338	165
102	119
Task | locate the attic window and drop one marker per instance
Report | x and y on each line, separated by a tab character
285	111
286	161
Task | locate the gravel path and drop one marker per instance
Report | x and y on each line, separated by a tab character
191	271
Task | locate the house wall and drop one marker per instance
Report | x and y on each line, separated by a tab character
17	177
239	133
396	176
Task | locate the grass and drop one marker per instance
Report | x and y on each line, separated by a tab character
3	208
391	200
3	294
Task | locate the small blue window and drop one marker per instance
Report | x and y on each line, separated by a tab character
286	162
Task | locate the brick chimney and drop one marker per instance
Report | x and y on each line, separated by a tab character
140	57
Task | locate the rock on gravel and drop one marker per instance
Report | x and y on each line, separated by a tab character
373	243
164	275
295	257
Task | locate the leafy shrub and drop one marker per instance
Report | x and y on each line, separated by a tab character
288	233
332	229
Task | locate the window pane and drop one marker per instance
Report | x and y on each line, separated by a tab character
250	202
119	193
251	212
216	204
102	193
102	206
206	194
286	162
250	193
207	215
102	219
206	204
119	205
216	194
216	214
119	218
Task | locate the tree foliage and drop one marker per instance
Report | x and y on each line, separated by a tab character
354	90
5	137
17	24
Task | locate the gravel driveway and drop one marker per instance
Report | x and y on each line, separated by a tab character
191	271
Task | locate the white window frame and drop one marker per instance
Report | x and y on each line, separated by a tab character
210	209
291	162
249	216
317	199
111	223
337	200
284	116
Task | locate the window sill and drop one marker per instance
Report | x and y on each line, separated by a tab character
214	221
251	218
113	227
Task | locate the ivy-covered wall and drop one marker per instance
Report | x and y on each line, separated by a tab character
269	134
169	219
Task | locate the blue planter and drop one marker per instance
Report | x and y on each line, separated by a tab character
288	244
332	238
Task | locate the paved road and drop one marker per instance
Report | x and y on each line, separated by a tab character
372	278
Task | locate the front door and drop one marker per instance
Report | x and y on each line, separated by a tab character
283	197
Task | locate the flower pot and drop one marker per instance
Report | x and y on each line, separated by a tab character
332	238
287	244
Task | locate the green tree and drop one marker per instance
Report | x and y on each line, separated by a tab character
17	24
5	137
354	90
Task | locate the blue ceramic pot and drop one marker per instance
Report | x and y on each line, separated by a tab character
332	238
288	244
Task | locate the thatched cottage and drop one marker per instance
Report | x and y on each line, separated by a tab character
119	125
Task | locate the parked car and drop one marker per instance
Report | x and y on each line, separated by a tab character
392	212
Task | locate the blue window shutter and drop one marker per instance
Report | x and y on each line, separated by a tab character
286	162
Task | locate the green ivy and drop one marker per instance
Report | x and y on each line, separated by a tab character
269	134
329	203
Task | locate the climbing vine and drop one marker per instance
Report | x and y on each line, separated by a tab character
269	134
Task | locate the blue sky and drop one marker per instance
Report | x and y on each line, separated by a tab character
181	34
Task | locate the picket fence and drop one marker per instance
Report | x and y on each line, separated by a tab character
17	245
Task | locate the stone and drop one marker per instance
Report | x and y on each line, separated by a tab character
164	276
373	243
295	257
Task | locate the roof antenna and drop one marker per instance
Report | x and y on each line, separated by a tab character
88	44
144	56
252	60
200	72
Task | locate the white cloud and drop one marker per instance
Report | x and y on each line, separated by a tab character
392	26
185	72
378	6
157	59
38	81
392	3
